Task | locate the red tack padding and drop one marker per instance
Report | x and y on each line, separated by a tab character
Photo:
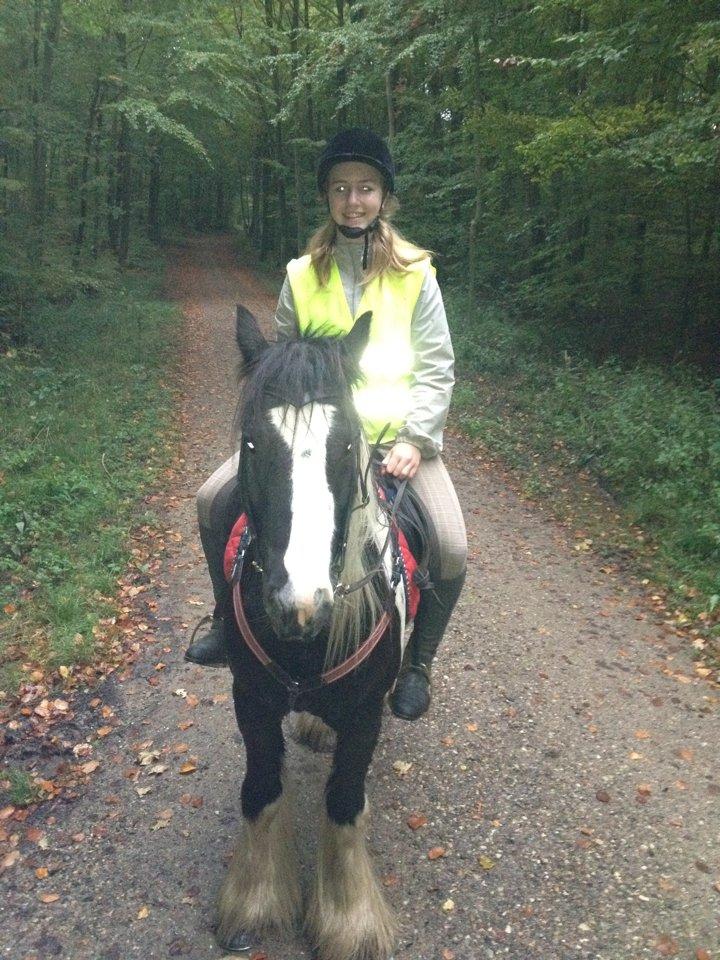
232	545
413	591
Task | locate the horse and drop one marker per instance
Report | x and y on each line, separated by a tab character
314	626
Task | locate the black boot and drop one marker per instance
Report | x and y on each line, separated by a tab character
208	650
411	697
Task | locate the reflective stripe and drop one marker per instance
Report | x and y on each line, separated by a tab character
388	360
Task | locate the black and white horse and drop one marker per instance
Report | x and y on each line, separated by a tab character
317	624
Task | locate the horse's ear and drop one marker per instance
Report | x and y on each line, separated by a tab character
249	338
356	341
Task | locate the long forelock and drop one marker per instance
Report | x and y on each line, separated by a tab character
295	372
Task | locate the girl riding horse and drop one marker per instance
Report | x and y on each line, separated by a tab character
357	262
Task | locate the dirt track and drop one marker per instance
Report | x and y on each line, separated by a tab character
568	767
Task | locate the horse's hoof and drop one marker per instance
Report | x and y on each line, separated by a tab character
240	942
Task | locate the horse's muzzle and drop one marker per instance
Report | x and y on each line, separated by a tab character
295	618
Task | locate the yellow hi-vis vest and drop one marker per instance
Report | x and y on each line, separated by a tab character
387	363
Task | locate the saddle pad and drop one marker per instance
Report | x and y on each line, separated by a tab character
412	591
233	544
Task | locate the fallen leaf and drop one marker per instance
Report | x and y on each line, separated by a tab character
143	791
188	767
146	757
642	734
220	698
186	724
258	955
104	731
471	727
644	789
416	820
666	946
701	954
166	814
157	769
402	767
486	863
143	912
685	753
447	741
9	860
160	825
90	767
33	834
181	748
448	955
180	692
448	906
435	853
49	897
41	873
192	701
191	800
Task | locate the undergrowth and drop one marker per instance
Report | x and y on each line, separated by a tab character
649	436
85	408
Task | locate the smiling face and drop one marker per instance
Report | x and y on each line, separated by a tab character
355	194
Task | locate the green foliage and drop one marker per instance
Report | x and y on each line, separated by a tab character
650	438
84	412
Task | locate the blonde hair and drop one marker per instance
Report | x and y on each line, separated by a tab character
389	250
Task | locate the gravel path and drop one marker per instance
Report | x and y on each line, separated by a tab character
568	769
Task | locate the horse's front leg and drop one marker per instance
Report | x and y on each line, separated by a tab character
348	917
262	886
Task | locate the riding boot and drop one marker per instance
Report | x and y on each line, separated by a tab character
411	697
208	650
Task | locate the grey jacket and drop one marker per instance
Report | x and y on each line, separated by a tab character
433	376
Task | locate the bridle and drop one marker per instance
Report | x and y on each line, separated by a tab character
294	687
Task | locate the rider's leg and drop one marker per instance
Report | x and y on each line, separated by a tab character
411	697
218	507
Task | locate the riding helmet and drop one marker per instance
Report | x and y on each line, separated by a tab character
361	144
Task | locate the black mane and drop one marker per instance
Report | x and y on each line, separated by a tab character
296	372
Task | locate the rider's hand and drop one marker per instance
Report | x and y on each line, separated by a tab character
402	461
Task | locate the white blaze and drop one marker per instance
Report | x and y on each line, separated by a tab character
309	552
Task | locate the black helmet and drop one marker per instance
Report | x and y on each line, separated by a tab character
358	144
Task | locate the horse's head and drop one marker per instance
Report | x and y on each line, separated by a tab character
301	444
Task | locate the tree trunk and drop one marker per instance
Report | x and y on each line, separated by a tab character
153	214
41	96
124	190
390	103
85	171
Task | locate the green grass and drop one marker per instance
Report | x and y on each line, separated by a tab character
18	787
649	436
83	434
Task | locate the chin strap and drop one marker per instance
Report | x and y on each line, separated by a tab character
354	233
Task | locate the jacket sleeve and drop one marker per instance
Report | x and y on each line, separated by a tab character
433	373
286	325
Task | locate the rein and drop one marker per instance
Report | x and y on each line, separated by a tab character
296	688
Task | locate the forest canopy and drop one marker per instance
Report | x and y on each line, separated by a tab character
561	157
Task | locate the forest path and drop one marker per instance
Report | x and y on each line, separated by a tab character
568	767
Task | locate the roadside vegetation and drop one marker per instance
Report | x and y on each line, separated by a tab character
650	437
84	432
